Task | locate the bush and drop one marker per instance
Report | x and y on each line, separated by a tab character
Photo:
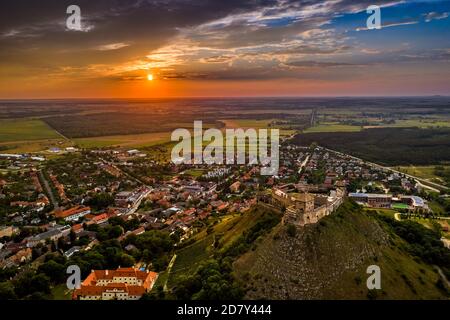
291	230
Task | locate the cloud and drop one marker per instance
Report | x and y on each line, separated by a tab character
370	51
430	16
187	39
112	46
392	24
315	64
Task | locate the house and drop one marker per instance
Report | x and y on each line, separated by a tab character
120	284
372	199
99	219
235	187
20	257
73	214
77	228
136	232
133	152
71	251
7	231
127	199
51	235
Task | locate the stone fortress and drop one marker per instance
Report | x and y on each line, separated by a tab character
302	208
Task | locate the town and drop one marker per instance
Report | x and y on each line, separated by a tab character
131	211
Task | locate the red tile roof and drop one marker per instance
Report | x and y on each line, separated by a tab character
71	211
89	286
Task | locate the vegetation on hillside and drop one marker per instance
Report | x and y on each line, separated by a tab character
329	260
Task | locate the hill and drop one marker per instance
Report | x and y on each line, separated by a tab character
329	260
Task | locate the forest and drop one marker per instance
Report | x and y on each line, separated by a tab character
388	146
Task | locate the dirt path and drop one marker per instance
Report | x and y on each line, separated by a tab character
169	268
443	276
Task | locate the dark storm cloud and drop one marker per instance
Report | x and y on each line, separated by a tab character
141	24
185	39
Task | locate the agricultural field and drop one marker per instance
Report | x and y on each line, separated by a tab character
435	173
246	123
419	123
425	172
332	127
134	140
25	130
28	136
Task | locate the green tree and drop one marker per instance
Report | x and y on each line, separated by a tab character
126	260
7	291
54	271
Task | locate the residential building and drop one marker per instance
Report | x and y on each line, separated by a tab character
120	284
73	214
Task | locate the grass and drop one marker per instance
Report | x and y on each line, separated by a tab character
424	172
134	140
329	260
195	173
25	130
60	292
384	212
256	124
247	123
35	146
162	277
190	257
420	123
333	127
229	229
436	207
28	136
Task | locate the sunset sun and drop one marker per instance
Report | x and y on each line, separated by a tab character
150	77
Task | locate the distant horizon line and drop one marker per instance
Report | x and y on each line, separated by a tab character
229	97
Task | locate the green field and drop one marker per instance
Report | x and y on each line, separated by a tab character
333	127
424	172
247	123
419	123
257	124
134	140
61	292
195	173
25	130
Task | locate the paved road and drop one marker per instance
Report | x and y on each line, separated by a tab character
304	164
49	191
125	173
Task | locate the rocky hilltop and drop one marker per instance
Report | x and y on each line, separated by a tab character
328	260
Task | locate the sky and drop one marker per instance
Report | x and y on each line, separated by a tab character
217	48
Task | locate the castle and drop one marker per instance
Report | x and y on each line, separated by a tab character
304	208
